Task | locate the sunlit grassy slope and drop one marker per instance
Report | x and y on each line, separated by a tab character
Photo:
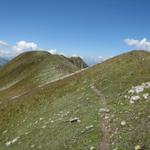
41	118
31	69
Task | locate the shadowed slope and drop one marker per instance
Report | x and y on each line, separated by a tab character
78	62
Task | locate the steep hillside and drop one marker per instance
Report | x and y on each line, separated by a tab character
31	69
103	107
78	62
2	61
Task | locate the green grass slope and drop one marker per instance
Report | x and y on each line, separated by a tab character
31	69
115	78
40	119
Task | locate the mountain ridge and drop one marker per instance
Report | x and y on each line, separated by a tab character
49	109
33	68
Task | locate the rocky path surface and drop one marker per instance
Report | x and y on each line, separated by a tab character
63	77
105	141
49	82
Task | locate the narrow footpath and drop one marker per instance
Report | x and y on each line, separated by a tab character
105	141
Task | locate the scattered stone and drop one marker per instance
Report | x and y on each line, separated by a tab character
146	95
89	127
123	123
76	119
131	91
131	101
32	146
15	97
138	147
126	96
79	121
13	141
136	89
140	88
26	133
39	147
44	126
135	98
146	85
106	117
129	97
23	120
92	86
121	103
104	110
8	143
35	122
52	121
92	148
5	131
41	119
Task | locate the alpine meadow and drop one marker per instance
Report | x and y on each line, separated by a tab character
74	75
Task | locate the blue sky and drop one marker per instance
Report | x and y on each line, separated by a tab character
89	28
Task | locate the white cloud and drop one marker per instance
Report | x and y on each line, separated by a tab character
100	59
3	53
10	51
62	54
3	43
143	44
22	46
14	50
52	51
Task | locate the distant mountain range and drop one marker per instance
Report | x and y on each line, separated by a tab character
50	102
3	61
